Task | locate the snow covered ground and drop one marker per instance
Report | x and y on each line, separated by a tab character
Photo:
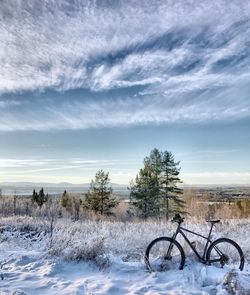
93	257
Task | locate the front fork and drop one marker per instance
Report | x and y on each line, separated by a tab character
170	248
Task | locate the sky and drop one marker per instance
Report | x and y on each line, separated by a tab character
89	85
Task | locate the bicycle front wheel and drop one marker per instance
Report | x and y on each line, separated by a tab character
226	252
164	254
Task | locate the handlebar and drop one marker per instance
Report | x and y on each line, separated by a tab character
177	218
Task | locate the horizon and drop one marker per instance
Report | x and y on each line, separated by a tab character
60	184
121	190
87	86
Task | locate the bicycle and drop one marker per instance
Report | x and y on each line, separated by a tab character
166	253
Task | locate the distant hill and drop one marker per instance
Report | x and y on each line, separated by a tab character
26	188
41	184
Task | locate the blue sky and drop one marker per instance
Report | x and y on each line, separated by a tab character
88	85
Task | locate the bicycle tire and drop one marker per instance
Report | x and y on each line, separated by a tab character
152	250
212	253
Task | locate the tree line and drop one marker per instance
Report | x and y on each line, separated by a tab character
154	193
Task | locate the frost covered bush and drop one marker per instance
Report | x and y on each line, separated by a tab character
76	241
99	241
24	224
92	250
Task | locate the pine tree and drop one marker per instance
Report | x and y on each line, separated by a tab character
143	194
170	193
154	163
35	196
155	191
99	198
40	198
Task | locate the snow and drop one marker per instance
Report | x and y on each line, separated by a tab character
29	266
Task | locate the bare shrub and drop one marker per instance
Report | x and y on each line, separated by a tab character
90	250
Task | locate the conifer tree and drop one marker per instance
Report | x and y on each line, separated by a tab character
170	193
35	196
154	163
156	186
99	197
144	193
40	198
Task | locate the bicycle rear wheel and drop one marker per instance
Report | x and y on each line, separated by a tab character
225	252
164	254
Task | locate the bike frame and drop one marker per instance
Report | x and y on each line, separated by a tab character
202	258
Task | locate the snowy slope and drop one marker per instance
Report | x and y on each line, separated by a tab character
32	273
29	267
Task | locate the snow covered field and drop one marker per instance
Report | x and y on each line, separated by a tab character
91	257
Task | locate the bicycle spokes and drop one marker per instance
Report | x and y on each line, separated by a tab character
225	254
163	256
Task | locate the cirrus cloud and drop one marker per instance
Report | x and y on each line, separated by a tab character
190	61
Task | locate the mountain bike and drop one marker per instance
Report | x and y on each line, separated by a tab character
166	253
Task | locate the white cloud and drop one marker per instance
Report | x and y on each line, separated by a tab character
9	103
15	163
44	164
191	58
45	145
129	111
54	44
76	170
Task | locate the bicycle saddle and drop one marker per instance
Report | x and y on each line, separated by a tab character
177	218
213	221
